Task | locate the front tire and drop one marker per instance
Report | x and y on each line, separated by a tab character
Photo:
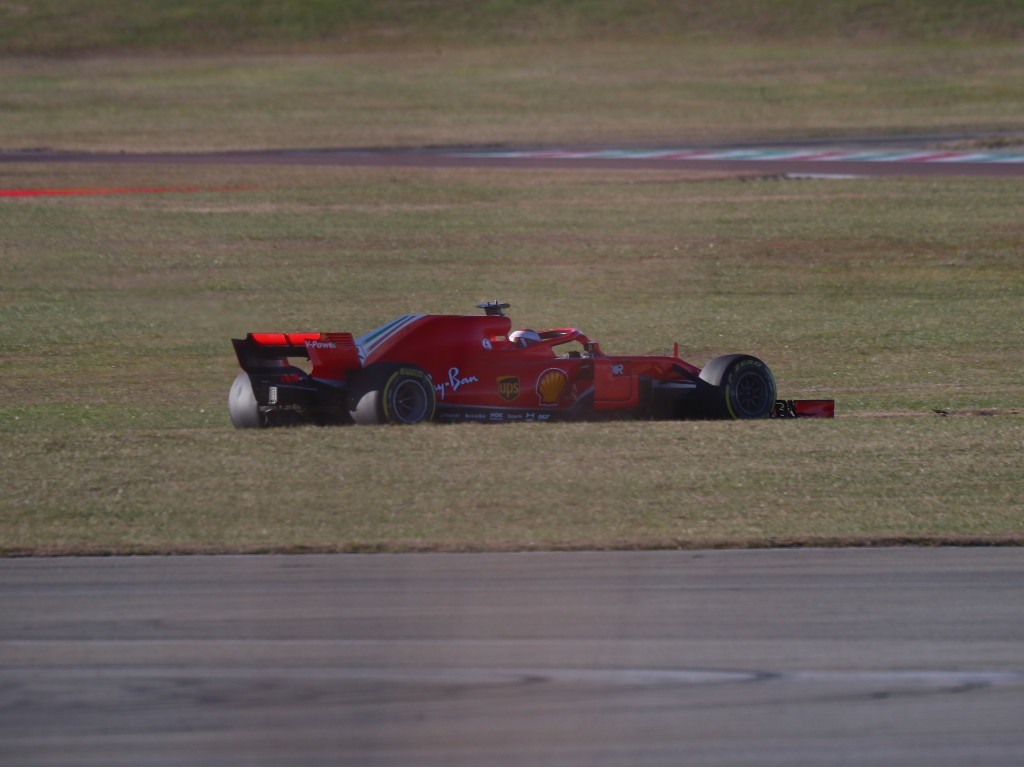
743	387
392	393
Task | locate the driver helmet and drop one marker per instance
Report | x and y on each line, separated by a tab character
524	337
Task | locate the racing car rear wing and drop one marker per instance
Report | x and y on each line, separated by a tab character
331	354
259	351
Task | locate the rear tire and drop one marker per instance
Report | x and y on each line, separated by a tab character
744	387
392	393
242	405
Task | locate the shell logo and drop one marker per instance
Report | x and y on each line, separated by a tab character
550	385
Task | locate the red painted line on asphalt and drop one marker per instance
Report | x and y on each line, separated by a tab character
157	191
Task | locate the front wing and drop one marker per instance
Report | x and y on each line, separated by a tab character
804	409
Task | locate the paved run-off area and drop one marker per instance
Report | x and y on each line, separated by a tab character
867	656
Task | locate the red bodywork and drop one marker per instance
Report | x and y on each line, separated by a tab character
472	363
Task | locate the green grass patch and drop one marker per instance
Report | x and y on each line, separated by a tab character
204	488
87	26
900	298
516	93
251	74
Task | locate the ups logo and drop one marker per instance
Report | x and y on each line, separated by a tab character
508	387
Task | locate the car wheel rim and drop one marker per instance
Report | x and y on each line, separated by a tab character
751	393
410	402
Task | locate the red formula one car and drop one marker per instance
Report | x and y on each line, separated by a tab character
476	368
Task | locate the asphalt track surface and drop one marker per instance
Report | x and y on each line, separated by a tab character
850	157
762	657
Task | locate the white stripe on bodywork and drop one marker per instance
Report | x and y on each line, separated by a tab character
369	342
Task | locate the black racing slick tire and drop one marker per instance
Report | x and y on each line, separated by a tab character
391	393
242	405
742	387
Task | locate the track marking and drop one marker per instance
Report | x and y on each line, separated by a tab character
59	192
797	155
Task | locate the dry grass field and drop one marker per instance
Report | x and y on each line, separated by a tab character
632	92
900	298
